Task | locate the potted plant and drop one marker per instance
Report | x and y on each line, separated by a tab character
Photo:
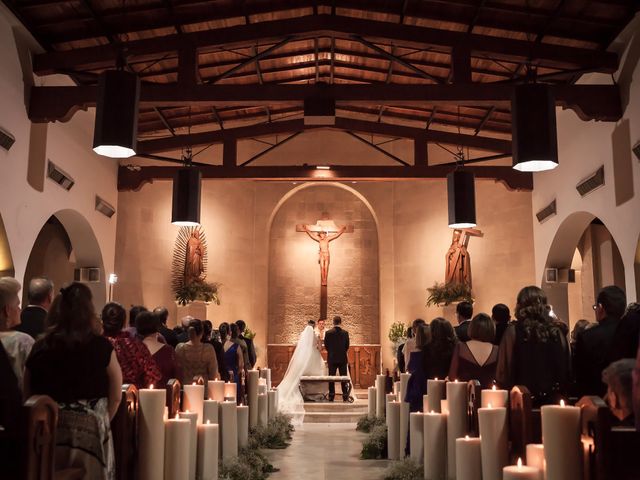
198	290
443	294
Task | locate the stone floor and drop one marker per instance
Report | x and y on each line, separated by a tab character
325	451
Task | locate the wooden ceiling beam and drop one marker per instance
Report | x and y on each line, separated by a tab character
104	56
134	180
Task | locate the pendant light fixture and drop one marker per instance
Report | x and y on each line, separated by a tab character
461	192
533	128
116	126
185	211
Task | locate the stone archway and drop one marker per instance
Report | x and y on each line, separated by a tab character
6	259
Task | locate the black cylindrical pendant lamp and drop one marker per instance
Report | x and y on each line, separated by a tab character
461	193
116	127
186	197
533	128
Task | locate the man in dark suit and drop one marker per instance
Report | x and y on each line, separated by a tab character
464	312
40	296
501	315
251	349
593	346
336	341
169	335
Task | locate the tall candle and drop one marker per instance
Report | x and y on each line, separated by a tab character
210	411
468	459
561	440
396	389
404	427
193	443
494	396
252	391
416	434
230	392
380	395
494	448
263	409
193	399
262	385
151	433
456	422
435	446
404	382
216	390
389	397
371	401
272	396
535	458
266	374
520	472
243	426
436	392
176	448
425	403
229	426
393	430
207	464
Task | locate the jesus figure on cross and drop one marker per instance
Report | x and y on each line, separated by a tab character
323	238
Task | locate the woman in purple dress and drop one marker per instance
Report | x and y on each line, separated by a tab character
233	358
147	325
477	358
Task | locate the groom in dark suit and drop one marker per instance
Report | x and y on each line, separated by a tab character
336	341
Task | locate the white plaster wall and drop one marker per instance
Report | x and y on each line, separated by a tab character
582	148
25	210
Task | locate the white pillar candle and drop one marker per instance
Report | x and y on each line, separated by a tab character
436	392
456	422
535	458
393	430
243	426
494	396
210	411
389	397
207	464
252	395
396	389
266	374
404	381
230	392
468	458
193	443
216	390
444	406
404	427
520	472
371	400
561	440
263	409
151	433
494	448
416	434
425	403
435	446
193	399
588	446
176	448
262	385
229	426
272	396
380	395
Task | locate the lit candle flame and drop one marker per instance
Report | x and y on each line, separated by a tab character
186	411
193	383
466	437
431	412
519	462
436	378
208	422
489	406
151	386
493	388
562	403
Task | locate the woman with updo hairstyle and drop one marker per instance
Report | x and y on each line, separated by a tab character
138	367
476	359
78	368
163	355
534	351
196	358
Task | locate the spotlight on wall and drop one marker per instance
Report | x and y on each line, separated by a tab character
113	278
186	197
533	128
461	194
116	127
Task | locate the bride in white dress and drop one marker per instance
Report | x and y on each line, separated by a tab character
306	360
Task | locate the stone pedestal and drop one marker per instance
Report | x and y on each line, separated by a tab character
197	309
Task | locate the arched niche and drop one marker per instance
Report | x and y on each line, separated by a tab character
6	259
587	258
294	273
66	242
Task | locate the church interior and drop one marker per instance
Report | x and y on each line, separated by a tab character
286	161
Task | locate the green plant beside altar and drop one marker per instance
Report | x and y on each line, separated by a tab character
448	293
397	335
198	290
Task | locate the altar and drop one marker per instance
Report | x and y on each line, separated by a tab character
364	362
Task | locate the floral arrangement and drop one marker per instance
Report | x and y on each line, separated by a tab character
447	293
367	423
405	469
375	445
248	333
198	290
250	464
275	435
397	333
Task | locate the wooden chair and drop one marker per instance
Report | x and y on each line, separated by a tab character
525	423
173	397
124	430
473	404
198	380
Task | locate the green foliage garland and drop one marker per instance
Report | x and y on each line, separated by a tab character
375	445
198	290
405	469
447	293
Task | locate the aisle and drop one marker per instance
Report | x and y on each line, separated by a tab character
322	451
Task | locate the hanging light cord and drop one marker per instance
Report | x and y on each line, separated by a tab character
459	157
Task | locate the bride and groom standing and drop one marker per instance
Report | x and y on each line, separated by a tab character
307	361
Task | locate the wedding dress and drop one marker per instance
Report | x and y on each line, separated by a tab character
306	360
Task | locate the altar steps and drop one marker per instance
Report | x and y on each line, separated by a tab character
337	411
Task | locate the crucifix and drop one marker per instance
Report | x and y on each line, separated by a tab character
323	232
458	269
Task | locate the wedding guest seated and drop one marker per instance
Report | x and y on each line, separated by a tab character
233	357
439	350
417	385
209	337
410	344
169	335
164	356
477	358
464	312
33	316
617	376
196	358
594	346
79	369
138	367
16	344
501	316
534	351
